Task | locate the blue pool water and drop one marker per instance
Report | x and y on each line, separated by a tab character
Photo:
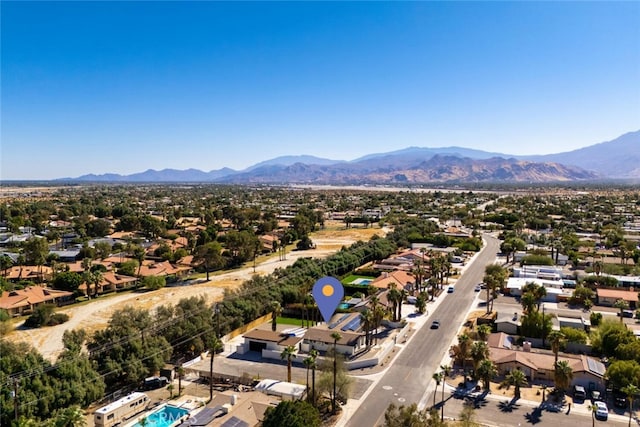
343	306
164	417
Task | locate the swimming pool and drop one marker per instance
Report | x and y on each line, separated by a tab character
344	306
361	282
164	417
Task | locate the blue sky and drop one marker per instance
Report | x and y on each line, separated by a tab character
92	87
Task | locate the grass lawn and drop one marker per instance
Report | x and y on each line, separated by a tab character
289	321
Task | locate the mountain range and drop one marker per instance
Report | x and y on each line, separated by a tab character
616	159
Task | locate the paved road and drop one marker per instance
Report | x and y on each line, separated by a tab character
407	379
498	413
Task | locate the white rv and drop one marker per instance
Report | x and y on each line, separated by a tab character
121	410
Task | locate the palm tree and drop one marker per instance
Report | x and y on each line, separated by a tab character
528	302
446	369
307	362
621	305
437	376
516	378
483	331
394	296
563	374
288	353
464	346
593	408
214	346
556	338
631	391
180	373
336	337
276	310
479	351
96	278
494	278
486	371
366	317
313	354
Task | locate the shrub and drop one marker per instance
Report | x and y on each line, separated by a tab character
595	319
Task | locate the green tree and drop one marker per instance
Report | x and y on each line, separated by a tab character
209	255
215	345
622	373
297	413
67	281
408	416
154	282
35	252
621	305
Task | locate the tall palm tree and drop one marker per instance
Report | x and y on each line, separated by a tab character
631	391
446	369
276	310
336	337
214	346
516	378
288	353
366	317
494	278
180	373
556	338
479	351
487	371
307	362
394	296
563	374
464	346
437	377
528	302
313	354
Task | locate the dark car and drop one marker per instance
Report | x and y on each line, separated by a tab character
435	324
153	383
620	401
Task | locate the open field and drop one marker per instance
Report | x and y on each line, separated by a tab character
96	314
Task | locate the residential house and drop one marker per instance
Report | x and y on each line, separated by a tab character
270	343
608	297
32	273
401	279
23	301
538	366
111	282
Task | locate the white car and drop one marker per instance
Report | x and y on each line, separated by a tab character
602	412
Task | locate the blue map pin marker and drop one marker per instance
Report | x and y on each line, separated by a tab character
328	293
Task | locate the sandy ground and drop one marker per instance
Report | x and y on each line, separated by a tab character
96	314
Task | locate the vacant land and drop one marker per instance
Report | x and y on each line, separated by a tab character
95	315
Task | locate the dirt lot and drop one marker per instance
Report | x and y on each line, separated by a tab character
96	314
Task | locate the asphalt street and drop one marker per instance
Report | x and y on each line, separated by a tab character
408	377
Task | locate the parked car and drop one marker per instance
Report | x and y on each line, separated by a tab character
450	289
620	401
477	288
595	395
435	324
579	392
602	412
153	383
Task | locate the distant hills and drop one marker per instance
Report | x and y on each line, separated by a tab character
616	159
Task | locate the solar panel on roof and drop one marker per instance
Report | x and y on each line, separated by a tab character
235	422
337	322
352	325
